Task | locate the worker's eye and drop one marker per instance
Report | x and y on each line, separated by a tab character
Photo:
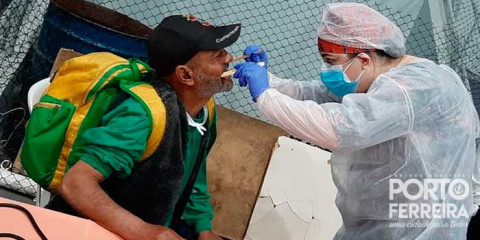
329	60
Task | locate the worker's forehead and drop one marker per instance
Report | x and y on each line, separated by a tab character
325	54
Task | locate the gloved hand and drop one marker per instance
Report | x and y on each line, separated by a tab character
257	54
254	76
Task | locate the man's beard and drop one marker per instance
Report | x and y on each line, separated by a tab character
210	85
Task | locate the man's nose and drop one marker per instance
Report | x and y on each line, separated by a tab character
228	58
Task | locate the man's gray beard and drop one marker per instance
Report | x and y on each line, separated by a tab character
210	85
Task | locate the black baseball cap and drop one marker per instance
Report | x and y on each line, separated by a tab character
178	38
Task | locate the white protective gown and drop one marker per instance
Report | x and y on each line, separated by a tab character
416	121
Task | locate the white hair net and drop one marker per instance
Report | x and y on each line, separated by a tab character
358	26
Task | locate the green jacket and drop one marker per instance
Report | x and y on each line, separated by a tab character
116	145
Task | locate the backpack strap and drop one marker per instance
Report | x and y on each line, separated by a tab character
211	110
157	113
147	95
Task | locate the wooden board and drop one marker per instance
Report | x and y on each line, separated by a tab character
236	167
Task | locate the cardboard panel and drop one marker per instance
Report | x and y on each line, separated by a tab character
62	56
236	167
297	200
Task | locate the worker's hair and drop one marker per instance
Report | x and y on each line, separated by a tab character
378	53
378	57
383	54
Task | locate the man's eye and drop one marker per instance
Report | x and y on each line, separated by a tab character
221	54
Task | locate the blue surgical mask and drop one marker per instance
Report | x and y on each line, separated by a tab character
335	79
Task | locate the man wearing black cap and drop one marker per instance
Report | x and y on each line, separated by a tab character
169	189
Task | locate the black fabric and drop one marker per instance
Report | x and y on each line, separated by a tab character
152	189
185	196
184	230
473	232
178	38
188	232
117	101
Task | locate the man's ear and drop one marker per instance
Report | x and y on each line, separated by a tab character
185	75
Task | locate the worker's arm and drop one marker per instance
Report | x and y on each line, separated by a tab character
199	211
313	90
111	149
360	121
81	189
303	119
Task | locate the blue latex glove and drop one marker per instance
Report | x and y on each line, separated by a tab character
254	76
257	54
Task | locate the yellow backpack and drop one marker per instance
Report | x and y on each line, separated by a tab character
76	100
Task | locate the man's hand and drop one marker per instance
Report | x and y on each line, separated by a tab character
155	232
208	235
81	189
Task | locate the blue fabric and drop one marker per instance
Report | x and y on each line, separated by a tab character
185	230
337	81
